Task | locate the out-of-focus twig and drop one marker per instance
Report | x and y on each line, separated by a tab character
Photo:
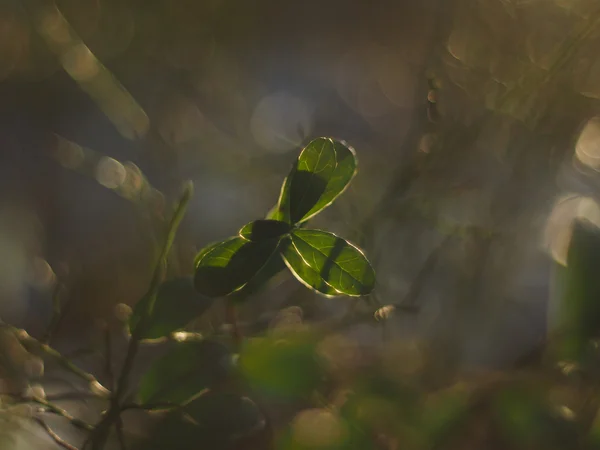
56	312
33	345
55	409
55	437
98	438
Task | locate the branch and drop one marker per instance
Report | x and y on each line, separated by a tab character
55	409
100	434
56	313
55	437
33	345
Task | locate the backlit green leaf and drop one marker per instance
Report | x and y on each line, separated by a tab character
339	180
186	370
231	264
303	272
177	303
337	263
313	184
260	230
204	251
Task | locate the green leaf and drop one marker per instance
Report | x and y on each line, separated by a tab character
303	272
231	264
334	263
339	180
204	251
177	303
579	309
260	230
262	279
186	370
321	173
283	366
215	420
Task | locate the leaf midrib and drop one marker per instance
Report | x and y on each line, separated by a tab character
294	235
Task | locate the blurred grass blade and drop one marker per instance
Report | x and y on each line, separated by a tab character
579	310
88	72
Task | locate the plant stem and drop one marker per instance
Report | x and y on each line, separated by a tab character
55	437
100	435
231	317
55	409
56	312
33	345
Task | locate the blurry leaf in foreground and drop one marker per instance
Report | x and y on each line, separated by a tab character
230	265
182	373
579	309
215	421
287	367
177	303
525	417
335	263
90	74
320	429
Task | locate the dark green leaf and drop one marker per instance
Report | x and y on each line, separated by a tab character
313	183
262	279
186	370
204	251
231	264
339	180
333	261
177	303
260	230
282	366
215	421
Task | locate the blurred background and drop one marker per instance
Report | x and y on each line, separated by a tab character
476	124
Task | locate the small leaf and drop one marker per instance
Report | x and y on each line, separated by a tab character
322	172
177	304
303	272
339	180
260	230
231	264
186	370
334	263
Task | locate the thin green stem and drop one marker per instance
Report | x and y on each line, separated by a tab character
56	312
100	435
54	436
